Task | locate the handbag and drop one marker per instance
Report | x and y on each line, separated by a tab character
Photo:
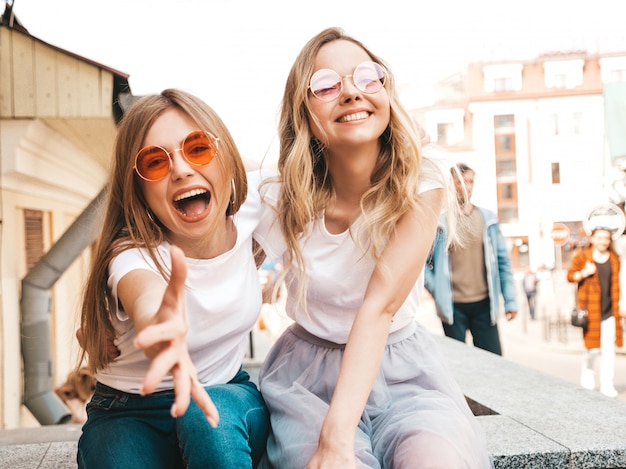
580	316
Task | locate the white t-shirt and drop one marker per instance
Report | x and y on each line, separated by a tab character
223	301
338	272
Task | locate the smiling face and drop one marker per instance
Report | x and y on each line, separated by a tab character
354	117
600	240
187	200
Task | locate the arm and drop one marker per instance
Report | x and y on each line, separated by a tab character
402	262
158	314
431	262
505	274
580	268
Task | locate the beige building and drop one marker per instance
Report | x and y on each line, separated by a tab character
58	114
547	139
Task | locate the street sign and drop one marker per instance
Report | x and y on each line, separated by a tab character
559	234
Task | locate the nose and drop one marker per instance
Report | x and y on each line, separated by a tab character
180	166
348	88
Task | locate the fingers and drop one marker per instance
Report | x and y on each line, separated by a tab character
175	291
182	391
165	332
202	399
163	362
112	350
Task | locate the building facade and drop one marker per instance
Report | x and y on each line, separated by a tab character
546	140
58	120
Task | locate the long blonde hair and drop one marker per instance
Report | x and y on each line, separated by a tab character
128	223
306	189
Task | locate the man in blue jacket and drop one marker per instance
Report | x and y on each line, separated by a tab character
467	281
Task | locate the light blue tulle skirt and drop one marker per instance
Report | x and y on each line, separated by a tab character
416	415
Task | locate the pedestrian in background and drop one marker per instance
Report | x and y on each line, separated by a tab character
467	280
529	284
595	269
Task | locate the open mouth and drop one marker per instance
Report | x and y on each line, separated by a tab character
193	202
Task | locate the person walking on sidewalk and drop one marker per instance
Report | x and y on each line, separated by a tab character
467	280
595	269
530	290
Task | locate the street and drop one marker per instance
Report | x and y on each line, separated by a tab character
553	347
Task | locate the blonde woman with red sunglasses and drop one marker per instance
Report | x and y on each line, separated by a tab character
174	286
355	381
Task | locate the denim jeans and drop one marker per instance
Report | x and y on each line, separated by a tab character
477	318
131	431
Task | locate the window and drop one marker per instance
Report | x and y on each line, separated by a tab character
563	73
556	173
504	122
33	230
447	126
505	168
502	77
613	69
617	75
504	143
507	192
444	133
554	124
577	122
503	84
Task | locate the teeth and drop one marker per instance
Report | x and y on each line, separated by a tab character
353	117
191	193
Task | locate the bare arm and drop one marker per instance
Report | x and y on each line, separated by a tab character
160	320
403	260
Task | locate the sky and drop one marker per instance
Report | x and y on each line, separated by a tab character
236	54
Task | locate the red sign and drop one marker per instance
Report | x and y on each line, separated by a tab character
560	234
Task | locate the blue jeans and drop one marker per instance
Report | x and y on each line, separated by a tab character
133	431
477	318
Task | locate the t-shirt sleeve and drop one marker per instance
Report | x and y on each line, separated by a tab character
434	174
122	264
268	233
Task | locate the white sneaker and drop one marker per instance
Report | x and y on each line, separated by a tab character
609	392
587	379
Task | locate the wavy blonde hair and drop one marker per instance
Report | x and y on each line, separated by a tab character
306	189
128	222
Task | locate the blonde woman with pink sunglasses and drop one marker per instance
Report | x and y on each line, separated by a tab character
355	381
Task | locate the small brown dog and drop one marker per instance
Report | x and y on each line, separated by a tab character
76	392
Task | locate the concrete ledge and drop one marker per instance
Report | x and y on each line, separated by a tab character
58	455
535	420
531	419
47	447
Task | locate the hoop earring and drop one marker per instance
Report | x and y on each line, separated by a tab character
231	202
149	213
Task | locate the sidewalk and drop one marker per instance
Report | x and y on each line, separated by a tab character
552	347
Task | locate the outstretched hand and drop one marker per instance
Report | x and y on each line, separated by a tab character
164	342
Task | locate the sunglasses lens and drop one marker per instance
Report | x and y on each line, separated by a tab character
152	163
325	84
369	77
199	148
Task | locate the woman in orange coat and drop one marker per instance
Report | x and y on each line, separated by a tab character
595	269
